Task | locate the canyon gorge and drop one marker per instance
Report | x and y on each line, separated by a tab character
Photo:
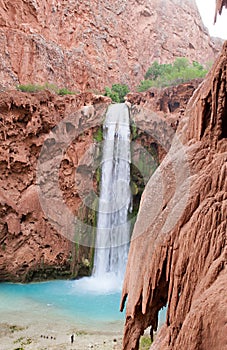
177	255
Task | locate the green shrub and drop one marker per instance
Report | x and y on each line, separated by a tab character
51	87
30	88
65	91
145	85
46	86
117	92
161	75
113	95
98	135
180	64
145	343
156	70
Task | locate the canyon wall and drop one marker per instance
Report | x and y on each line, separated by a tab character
84	45
80	45
31	246
178	255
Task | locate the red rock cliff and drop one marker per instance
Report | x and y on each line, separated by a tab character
31	247
178	250
91	44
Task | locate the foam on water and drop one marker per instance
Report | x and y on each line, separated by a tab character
91	303
62	301
72	303
95	300
107	284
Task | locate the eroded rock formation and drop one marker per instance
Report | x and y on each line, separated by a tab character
30	246
169	103
91	44
178	251
219	6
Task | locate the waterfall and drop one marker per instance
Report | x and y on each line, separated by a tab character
112	238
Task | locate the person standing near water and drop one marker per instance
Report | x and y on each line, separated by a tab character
72	338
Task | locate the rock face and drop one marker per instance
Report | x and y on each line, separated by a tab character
170	102
178	251
80	45
219	6
30	246
165	108
91	44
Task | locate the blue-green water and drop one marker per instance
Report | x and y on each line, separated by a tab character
72	301
88	304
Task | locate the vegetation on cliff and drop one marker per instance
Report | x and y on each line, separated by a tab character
117	92
145	342
180	71
47	86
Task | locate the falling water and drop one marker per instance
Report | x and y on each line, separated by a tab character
112	238
91	301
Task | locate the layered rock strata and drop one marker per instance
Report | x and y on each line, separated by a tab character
86	45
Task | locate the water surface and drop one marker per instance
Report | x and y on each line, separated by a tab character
80	303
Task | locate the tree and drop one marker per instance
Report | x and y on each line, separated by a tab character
153	71
197	65
145	85
160	75
117	92
181	63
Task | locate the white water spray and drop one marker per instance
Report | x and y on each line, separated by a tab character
112	239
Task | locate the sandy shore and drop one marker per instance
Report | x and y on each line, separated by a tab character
56	337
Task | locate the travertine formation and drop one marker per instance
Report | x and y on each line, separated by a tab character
219	6
178	251
86	44
30	245
169	102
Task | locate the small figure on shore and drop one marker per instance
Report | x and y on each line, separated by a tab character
72	338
